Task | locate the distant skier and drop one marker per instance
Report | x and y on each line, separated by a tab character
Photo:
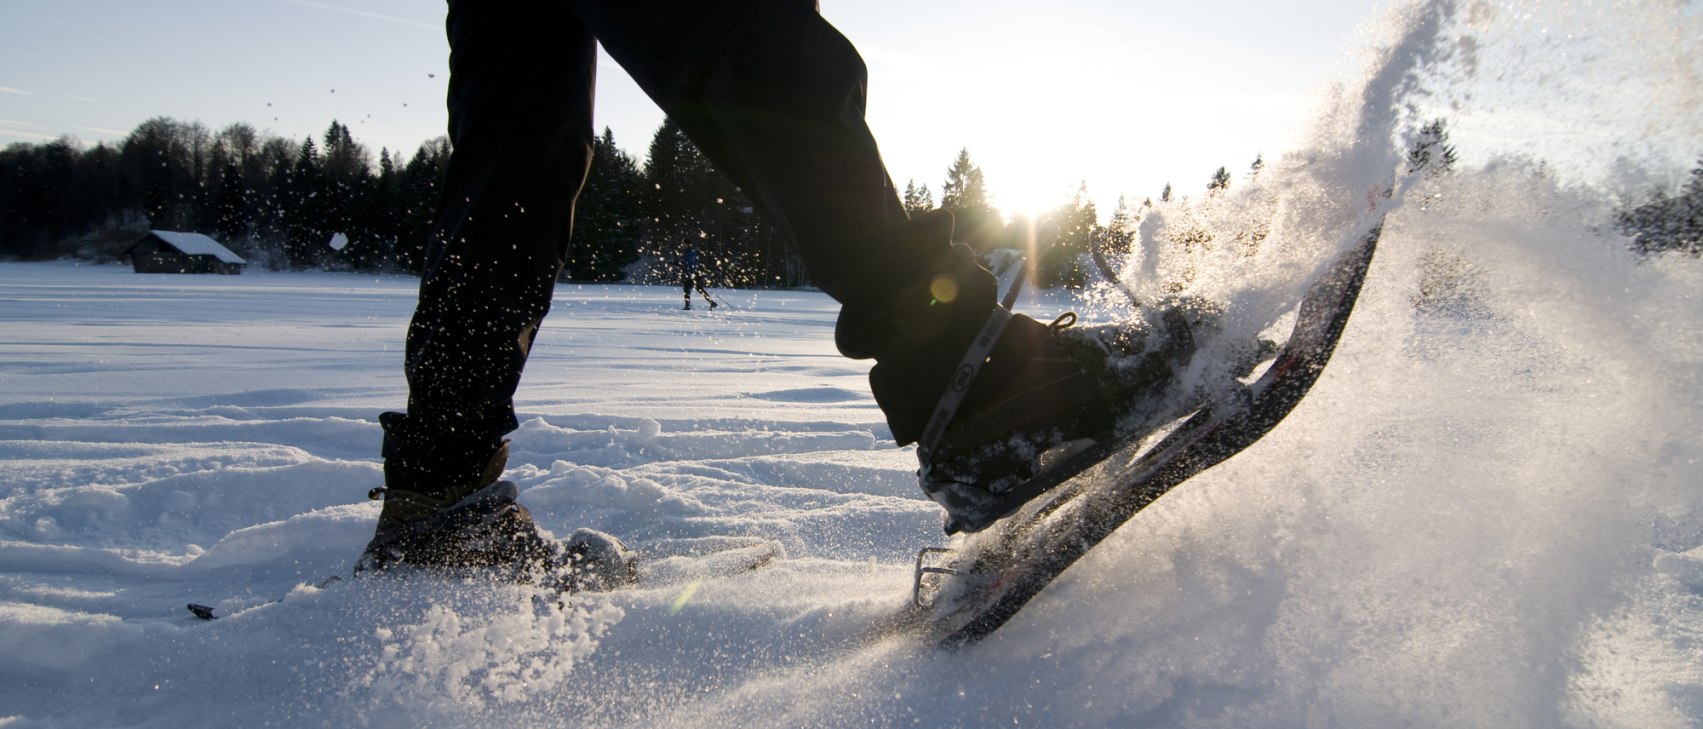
774	96
690	279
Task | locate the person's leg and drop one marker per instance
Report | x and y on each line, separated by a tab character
520	102
520	120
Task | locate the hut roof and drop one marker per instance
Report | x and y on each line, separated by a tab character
196	244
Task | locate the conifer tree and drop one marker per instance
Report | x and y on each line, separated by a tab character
421	179
1430	150
385	212
608	215
232	223
965	188
272	202
351	197
965	194
1219	183
674	174
1119	234
305	220
918	199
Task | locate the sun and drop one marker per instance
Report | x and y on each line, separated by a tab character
1033	195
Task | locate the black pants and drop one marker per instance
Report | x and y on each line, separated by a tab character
694	282
767	89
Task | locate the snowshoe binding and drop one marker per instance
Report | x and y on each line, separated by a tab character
1033	404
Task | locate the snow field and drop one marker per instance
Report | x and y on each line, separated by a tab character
1486	513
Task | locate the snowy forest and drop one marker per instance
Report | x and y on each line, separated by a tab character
278	202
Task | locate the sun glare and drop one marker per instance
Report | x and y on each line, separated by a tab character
1029	194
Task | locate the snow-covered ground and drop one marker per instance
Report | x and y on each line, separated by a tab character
1488	513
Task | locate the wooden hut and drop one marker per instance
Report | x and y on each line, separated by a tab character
165	251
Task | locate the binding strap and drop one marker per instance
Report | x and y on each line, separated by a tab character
964	376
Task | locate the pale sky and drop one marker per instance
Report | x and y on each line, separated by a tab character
1123	95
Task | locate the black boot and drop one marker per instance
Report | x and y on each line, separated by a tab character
471	520
994	423
979	390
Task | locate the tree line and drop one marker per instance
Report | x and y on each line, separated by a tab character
1667	221
273	200
278	202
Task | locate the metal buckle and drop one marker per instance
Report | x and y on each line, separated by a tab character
931	569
